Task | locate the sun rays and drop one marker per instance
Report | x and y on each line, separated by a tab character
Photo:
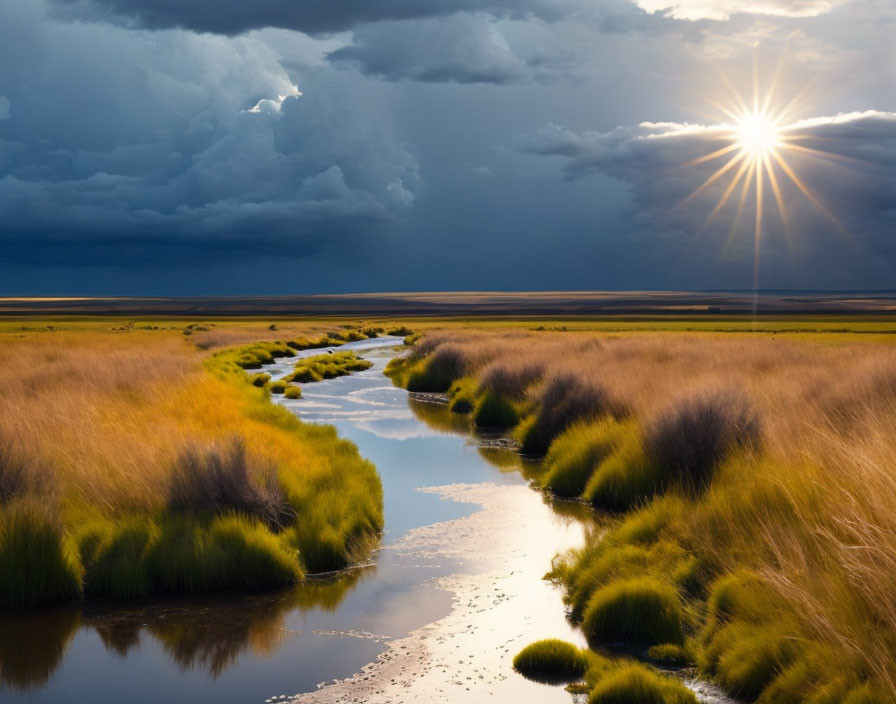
757	162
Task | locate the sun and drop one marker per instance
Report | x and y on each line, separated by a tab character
760	138
758	135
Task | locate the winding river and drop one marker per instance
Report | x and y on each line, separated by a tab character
454	592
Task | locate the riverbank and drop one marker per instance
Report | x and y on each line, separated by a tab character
742	470
443	546
134	462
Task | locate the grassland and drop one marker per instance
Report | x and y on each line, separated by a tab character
750	477
141	458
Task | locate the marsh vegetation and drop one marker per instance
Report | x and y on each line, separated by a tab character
750	477
133	462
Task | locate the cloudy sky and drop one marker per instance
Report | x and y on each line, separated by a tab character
298	146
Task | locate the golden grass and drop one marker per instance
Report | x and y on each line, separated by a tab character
102	414
780	453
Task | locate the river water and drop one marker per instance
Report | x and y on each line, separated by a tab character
454	592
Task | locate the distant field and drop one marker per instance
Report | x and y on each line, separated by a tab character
472	303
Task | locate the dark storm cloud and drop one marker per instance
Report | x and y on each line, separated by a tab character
308	16
461	49
138	158
197	138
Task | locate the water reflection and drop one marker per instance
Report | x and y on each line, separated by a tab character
32	646
206	634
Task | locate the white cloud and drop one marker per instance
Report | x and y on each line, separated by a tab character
725	9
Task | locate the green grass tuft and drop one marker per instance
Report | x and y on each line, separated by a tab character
462	395
38	564
229	553
635	684
573	456
114	556
670	654
625	478
327	366
551	660
494	411
292	392
637	611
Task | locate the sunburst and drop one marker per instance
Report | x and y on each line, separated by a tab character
760	143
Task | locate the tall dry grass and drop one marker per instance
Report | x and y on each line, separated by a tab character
140	448
792	445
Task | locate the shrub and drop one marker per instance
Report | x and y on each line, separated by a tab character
37	562
551	661
222	479
639	611
573	455
635	684
693	435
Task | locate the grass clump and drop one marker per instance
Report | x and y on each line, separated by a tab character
627	476
327	366
38	564
292	392
638	611
220	479
114	556
439	370
670	654
573	456
636	684
493	410
283	387
462	396
260	380
551	660
229	553
563	401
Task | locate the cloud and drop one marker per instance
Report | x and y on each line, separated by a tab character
192	137
850	174
464	48
308	16
725	9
